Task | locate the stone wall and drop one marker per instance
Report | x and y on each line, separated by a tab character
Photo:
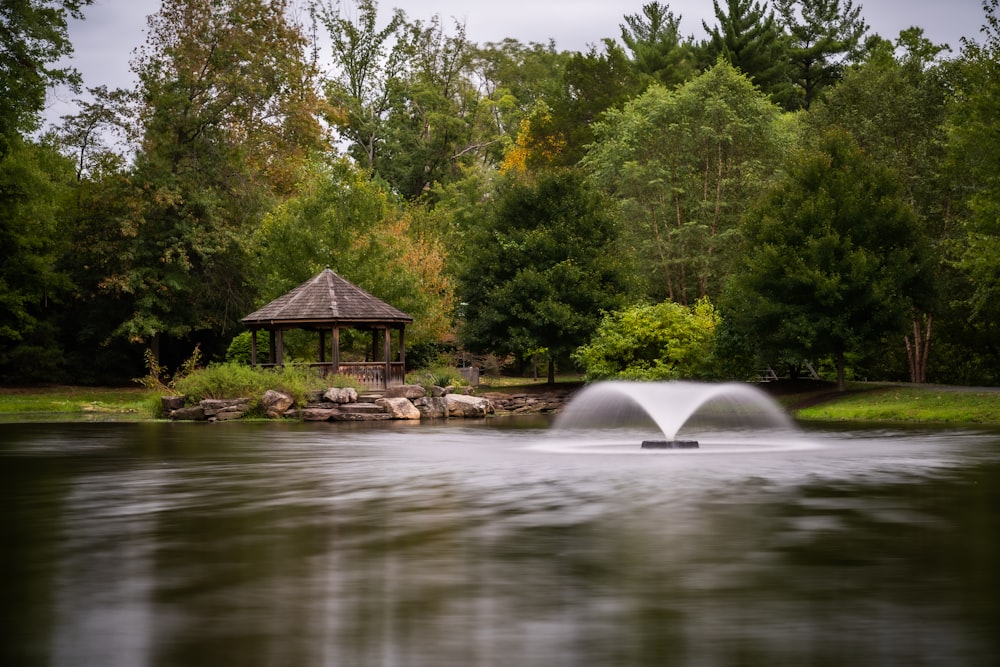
402	402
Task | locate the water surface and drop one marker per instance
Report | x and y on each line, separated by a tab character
484	544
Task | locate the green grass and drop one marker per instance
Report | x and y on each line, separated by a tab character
909	404
77	400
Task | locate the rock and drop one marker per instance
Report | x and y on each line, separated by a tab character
364	408
438	392
171	403
228	415
317	414
192	413
339	416
408	391
432	408
213	406
462	405
399	407
341	395
275	403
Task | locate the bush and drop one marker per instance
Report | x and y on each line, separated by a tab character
235	380
239	348
438	376
665	341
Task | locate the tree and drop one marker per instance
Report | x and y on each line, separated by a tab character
824	36
973	126
833	257
35	185
683	164
367	63
750	40
343	220
654	41
33	37
226	115
894	107
546	266
664	341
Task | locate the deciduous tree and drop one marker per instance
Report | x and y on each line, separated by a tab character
834	259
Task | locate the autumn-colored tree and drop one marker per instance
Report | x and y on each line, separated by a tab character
224	118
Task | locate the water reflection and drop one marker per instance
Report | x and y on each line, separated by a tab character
172	544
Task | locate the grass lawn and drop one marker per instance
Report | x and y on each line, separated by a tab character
894	403
69	399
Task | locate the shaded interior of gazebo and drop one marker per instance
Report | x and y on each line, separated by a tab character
328	304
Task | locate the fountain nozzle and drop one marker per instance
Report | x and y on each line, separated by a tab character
670	444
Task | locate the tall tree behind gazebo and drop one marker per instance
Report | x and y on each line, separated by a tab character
327	303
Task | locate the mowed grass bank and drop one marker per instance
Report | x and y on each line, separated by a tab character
68	400
907	404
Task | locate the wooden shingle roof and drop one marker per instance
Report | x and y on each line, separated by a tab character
327	298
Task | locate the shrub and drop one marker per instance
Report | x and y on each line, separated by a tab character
235	380
239	348
665	341
438	376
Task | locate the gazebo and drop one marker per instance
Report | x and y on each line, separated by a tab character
328	303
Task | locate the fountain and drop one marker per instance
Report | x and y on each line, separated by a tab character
661	412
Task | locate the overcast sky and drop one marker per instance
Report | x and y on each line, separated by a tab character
104	42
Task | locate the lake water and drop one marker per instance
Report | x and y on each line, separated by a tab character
132	544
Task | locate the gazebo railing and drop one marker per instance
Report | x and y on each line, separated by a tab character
370	374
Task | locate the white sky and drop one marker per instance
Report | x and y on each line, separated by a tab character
104	42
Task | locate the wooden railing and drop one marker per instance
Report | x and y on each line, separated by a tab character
370	374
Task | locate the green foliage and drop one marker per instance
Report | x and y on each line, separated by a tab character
834	259
33	37
33	183
750	40
236	380
823	37
683	165
239	348
665	341
344	220
546	265
436	376
158	379
654	41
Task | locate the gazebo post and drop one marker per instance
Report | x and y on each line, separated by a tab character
402	347
387	350
322	346
279	359
253	348
335	350
272	346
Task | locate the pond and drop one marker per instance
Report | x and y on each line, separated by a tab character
483	543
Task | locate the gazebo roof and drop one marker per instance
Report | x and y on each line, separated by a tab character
326	299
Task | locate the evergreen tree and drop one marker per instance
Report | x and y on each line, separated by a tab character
824	36
748	37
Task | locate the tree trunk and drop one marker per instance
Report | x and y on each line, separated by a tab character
841	378
918	348
552	371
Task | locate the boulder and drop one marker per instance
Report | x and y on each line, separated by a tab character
192	413
341	395
213	406
313	414
399	408
275	403
408	391
462	405
171	403
432	408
